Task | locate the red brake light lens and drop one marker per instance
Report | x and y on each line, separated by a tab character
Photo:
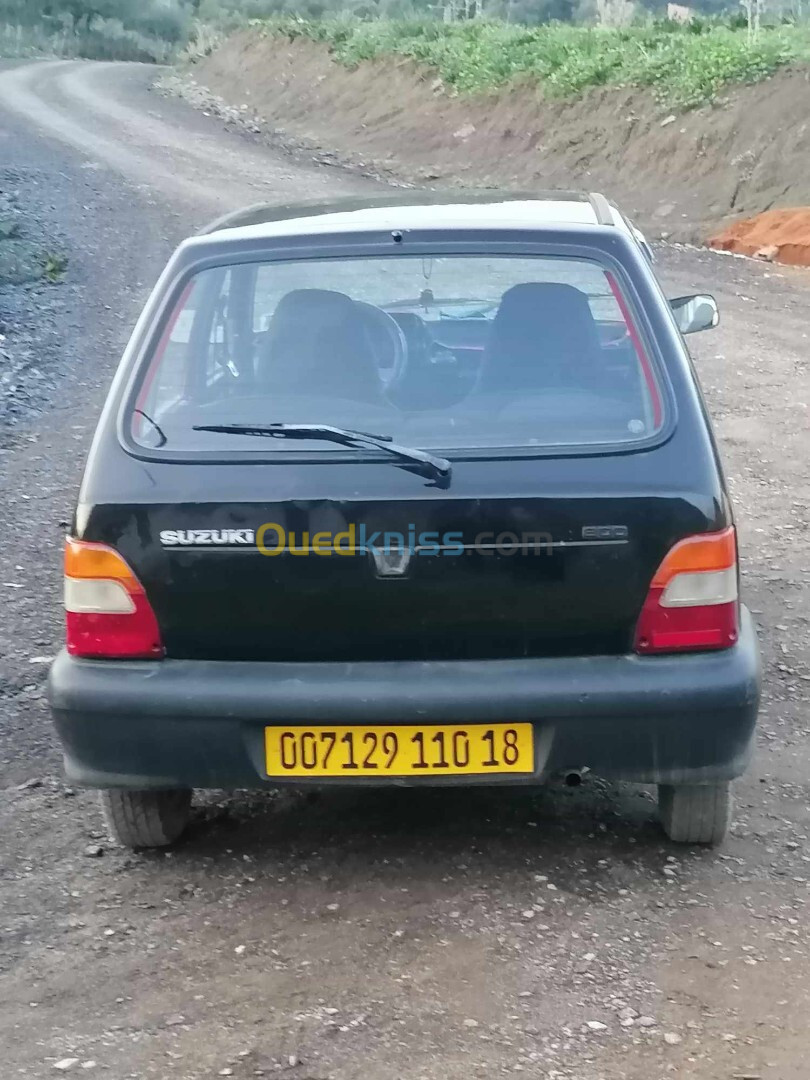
107	611
692	603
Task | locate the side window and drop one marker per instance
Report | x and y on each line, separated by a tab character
203	351
165	384
602	300
219	363
222	337
265	299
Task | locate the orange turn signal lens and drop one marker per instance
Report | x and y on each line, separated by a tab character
86	560
108	614
692	602
707	551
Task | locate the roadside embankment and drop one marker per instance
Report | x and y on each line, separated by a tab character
684	174
776	236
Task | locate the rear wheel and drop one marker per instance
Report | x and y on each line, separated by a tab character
695	813
144	819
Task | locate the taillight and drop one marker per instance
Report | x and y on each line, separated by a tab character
108	614
692	602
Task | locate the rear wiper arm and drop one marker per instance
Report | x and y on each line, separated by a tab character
429	464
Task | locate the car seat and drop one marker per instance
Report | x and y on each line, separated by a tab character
317	344
543	336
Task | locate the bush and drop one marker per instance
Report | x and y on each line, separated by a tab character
105	39
148	30
685	65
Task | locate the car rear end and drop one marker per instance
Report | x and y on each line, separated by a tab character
247	609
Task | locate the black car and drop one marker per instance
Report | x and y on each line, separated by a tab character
414	491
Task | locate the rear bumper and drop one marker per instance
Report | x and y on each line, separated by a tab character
672	719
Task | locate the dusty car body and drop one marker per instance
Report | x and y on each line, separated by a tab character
415	491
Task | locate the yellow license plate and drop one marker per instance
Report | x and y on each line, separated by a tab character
380	751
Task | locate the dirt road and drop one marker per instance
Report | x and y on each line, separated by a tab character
437	934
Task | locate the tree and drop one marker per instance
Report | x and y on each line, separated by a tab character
753	12
615	12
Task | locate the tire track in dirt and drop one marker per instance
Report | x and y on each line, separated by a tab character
79	103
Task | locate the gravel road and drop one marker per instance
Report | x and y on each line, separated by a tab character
434	934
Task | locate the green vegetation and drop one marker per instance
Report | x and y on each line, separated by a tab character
21	262
685	66
531	40
55	266
227	14
22	258
146	30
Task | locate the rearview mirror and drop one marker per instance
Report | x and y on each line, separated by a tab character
694	313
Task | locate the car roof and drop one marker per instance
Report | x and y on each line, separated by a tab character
418	210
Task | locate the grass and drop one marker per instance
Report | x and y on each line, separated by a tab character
685	66
23	261
55	266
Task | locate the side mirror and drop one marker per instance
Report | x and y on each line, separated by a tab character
694	313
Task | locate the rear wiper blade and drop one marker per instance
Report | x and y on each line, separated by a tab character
429	464
156	426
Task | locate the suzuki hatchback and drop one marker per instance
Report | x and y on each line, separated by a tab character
414	491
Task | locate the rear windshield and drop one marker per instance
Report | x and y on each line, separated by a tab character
451	352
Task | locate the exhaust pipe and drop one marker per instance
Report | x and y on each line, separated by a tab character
575	777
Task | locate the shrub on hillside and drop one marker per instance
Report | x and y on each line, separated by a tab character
148	30
105	40
685	65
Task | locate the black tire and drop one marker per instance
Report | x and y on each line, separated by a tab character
145	819
695	813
